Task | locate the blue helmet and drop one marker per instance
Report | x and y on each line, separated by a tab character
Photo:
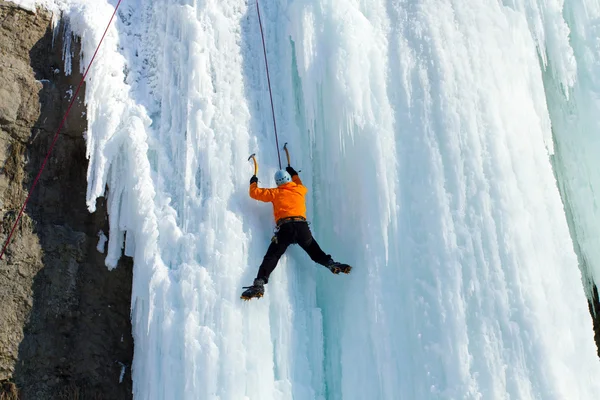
282	177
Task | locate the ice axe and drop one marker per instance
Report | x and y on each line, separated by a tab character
253	157
287	153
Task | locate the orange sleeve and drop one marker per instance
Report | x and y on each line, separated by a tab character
297	181
266	195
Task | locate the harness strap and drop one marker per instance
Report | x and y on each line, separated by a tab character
285	220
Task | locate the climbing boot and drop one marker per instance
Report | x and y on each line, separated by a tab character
337	267
256	290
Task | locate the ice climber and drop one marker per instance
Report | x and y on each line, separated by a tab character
289	208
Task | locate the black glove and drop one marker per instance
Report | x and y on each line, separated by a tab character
254	179
291	171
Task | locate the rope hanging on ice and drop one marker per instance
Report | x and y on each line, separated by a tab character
269	83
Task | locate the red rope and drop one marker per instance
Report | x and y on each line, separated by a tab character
269	82
60	126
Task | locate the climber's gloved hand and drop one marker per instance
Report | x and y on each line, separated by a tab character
254	179
291	171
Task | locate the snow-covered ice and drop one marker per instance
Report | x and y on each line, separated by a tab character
26	4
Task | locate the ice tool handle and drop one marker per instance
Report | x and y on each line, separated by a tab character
287	153
253	158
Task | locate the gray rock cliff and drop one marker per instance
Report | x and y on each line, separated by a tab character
65	330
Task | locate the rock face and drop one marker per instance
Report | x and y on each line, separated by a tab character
65	330
594	307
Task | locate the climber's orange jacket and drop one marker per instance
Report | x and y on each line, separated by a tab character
287	199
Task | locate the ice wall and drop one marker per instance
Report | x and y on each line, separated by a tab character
457	217
424	134
574	110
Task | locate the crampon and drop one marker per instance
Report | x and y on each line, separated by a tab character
257	290
336	268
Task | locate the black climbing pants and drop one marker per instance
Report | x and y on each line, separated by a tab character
296	232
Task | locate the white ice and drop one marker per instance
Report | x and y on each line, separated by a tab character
574	111
102	239
423	132
26	4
